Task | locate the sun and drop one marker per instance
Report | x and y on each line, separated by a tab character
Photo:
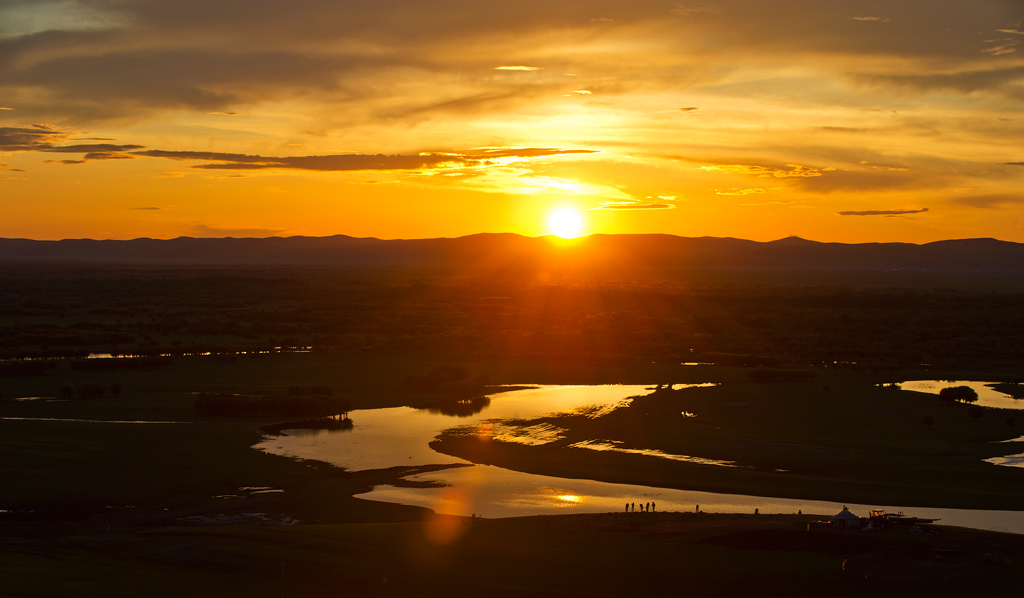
566	223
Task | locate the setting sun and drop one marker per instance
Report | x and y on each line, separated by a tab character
566	223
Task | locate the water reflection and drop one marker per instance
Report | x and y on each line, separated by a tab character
457	407
495	492
399	436
988	396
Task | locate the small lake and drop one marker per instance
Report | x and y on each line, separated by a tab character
987	396
399	436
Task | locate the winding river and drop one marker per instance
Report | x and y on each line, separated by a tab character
399	436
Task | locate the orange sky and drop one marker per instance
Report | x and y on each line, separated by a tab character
847	121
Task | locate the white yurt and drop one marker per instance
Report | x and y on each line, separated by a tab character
845	519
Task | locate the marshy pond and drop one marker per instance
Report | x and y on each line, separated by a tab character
400	436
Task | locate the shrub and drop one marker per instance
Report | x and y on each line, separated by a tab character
91	391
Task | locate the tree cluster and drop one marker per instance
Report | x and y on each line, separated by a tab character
958	394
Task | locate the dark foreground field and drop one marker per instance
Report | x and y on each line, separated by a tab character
657	554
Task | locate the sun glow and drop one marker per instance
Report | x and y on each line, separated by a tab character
566	223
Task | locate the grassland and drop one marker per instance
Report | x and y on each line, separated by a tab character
838	437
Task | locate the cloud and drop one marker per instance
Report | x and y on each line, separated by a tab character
517	68
869	19
794	170
351	162
1002	81
740	191
1013	164
688	9
230	114
51	139
5	108
888	213
145	208
203	230
990	202
48	139
625	205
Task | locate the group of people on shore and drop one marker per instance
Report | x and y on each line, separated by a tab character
631	507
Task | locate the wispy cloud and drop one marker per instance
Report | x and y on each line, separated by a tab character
203	230
791	170
689	9
518	68
686	110
626	205
995	201
352	162
889	213
51	139
741	191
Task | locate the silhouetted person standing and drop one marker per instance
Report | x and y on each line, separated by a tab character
652	506
627	507
634	507
698	509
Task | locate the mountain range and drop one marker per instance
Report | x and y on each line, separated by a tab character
516	254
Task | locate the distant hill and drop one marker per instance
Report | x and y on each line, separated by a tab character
509	254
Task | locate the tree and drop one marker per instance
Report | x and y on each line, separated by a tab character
974	412
67	391
115	389
928	420
1010	422
958	394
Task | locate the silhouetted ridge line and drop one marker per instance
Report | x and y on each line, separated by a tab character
512	254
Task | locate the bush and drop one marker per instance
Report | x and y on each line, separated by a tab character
91	391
